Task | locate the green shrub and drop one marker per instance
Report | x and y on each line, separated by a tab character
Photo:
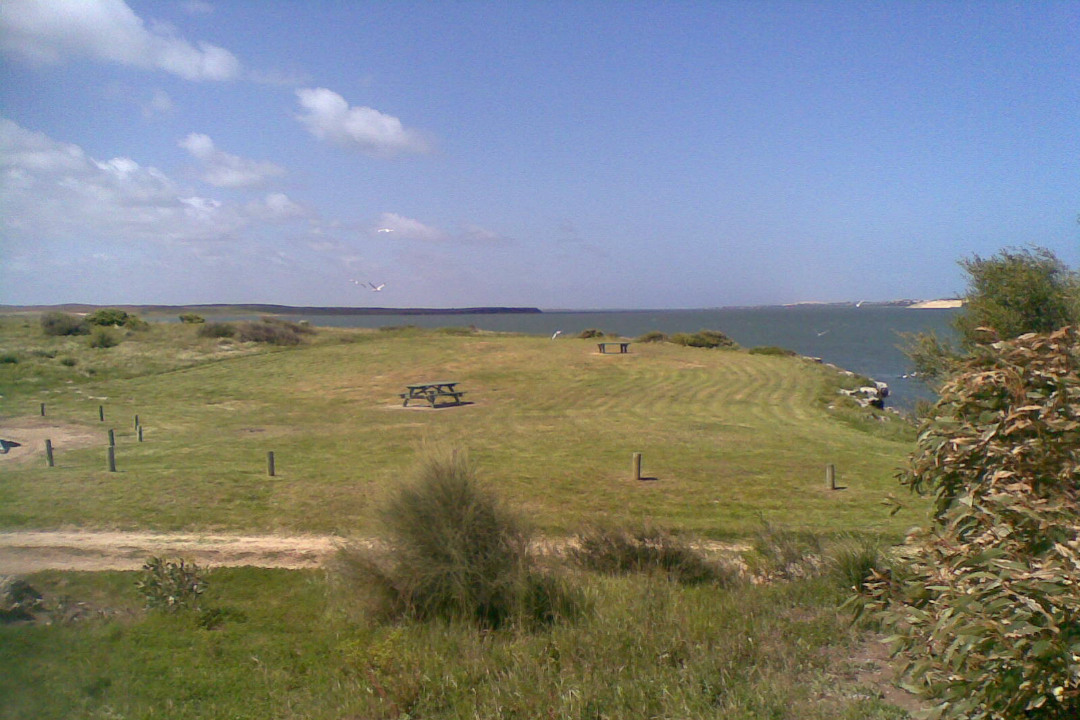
170	585
68	361
620	552
217	330
591	333
102	337
192	319
985	611
456	552
653	336
772	350
108	317
704	339
267	333
9	359
61	324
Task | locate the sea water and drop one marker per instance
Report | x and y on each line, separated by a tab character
863	339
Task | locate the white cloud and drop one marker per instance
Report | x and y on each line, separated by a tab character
403	228
51	191
329	117
224	170
159	104
53	31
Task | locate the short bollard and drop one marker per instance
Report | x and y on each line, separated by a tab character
637	466
270	463
136	422
830	476
140	433
101	413
112	459
42	409
48	453
112	438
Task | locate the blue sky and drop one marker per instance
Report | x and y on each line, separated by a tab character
549	154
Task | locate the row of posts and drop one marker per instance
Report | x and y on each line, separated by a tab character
51	462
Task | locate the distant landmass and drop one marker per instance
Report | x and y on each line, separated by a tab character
271	309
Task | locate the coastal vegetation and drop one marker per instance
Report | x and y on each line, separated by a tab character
707	589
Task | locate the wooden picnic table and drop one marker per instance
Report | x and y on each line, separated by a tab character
624	347
432	392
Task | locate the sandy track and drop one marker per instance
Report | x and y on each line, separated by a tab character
26	552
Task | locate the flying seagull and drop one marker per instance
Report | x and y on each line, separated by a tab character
387	230
376	288
557	334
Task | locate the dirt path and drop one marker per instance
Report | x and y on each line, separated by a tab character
27	552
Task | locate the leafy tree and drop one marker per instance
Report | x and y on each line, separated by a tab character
60	324
108	317
984	604
1014	292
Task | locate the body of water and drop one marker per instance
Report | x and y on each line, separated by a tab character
861	339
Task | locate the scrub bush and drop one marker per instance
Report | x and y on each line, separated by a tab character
984	608
704	339
170	585
216	330
192	319
61	324
102	337
621	552
772	350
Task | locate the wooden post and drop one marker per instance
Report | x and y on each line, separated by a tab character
140	433
48	453
637	466
42	409
112	438
830	476
101	413
136	422
112	459
270	463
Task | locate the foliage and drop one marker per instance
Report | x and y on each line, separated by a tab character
1014	292
456	552
272	333
704	339
590	333
109	317
779	553
653	336
217	330
69	361
102	337
619	552
192	318
986	612
9	358
170	585
772	350
61	324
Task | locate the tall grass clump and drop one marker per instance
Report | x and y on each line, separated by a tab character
653	336
454	551
216	330
621	552
102	337
779	553
273	332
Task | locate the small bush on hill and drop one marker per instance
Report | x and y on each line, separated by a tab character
704	339
217	330
456	552
620	552
68	361
102	337
273	332
653	336
985	607
170	585
109	317
9	359
591	333
192	319
61	324
772	350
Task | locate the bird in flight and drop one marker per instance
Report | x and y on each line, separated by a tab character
385	230
376	288
557	334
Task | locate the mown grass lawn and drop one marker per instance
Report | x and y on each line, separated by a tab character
729	438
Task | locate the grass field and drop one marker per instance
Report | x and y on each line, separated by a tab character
729	440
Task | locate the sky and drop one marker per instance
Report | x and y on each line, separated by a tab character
562	154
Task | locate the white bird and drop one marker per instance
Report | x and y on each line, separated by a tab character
376	288
385	230
557	334
822	333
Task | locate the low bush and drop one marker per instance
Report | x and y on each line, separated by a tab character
217	330
772	350
109	317
60	324
620	552
591	333
170	585
781	554
455	552
704	339
272	333
9	359
102	337
192	319
653	336
68	361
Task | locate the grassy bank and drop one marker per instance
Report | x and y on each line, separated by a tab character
728	438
